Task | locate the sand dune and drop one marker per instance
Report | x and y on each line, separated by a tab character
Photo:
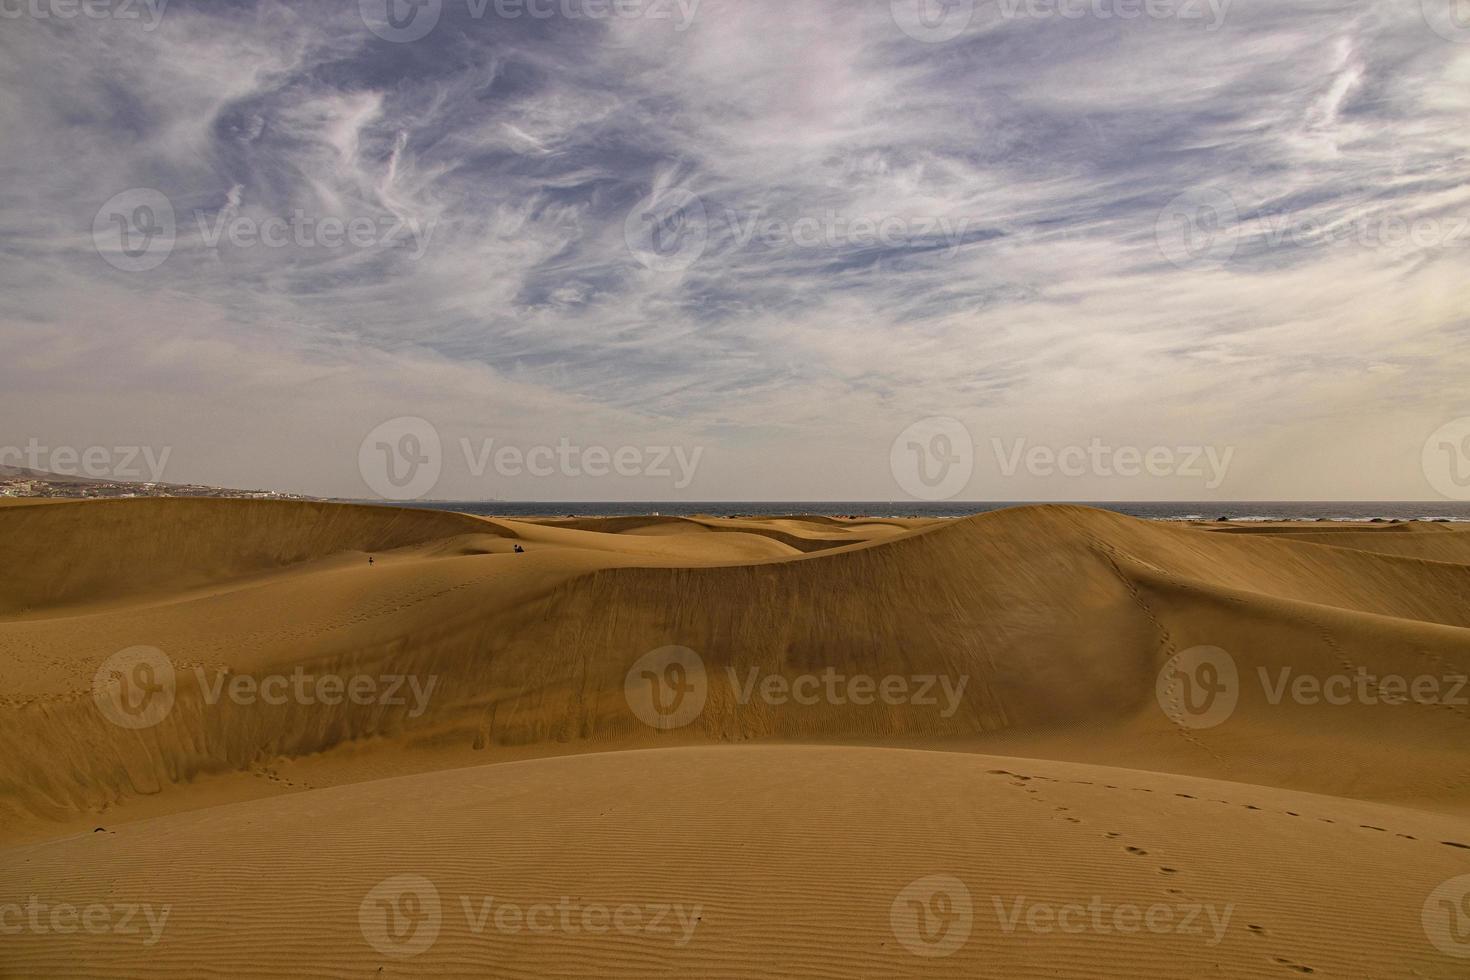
785	720
796	855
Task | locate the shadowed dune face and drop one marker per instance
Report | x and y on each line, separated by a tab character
169	662
1050	623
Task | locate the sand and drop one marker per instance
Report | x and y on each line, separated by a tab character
809	747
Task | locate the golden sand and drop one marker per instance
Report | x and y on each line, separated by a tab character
919	748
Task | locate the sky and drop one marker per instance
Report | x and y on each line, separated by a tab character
740	250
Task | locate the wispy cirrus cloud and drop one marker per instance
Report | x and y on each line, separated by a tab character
885	229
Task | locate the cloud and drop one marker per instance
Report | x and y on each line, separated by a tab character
890	229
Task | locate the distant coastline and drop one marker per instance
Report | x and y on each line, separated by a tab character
1250	511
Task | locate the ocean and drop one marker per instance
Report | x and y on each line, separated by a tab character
1296	510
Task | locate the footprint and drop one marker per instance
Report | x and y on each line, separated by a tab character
1258	930
1169	871
1295	966
1455	843
1136	850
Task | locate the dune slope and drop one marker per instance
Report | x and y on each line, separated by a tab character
1046	624
742	861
